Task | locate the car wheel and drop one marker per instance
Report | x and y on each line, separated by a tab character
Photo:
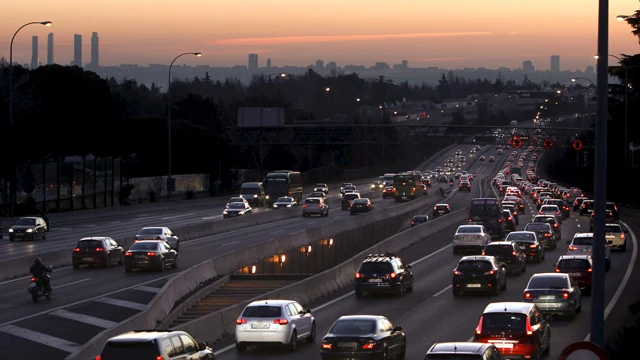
162	265
457	292
504	284
312	336
400	291
293	342
403	350
107	262
121	261
175	263
127	269
241	347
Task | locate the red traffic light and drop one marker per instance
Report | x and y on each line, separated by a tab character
516	142
548	144
577	144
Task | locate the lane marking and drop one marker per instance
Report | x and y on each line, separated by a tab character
122	303
177	216
29	276
71	283
442	291
231	243
41	338
275	232
148	289
91	320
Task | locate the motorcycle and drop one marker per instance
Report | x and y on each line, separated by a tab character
37	290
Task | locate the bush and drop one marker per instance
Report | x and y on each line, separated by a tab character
627	338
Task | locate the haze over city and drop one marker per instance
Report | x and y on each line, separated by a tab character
426	33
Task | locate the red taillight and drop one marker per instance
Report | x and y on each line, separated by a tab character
151	254
128	253
584	206
490	272
368	205
320	206
99	249
281	321
510	218
557	270
541	213
413	190
547	235
590	270
470	220
326	346
479	327
241	321
369	346
529	328
499	220
33	279
615	207
413	223
622	236
527	295
557	212
76	250
358	275
456	272
136	239
159	357
304	206
555	225
565	295
98	357
394	189
573	248
533	246
483	253
393	275
513	253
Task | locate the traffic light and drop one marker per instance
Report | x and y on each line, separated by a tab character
548	144
577	144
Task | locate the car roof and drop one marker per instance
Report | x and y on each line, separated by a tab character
94	238
152	227
136	336
500	243
508	307
274	302
575	257
581	235
459	348
477	258
550	274
361	317
442	205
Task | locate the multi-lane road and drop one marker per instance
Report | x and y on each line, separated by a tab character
87	301
431	314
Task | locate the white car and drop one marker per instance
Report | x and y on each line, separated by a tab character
160	234
551	210
283	322
473	237
582	244
616	235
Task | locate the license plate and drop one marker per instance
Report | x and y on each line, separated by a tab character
359	206
87	259
32	284
260	326
440	212
348	344
503	345
375	280
547	297
576	274
473	285
523	247
141	256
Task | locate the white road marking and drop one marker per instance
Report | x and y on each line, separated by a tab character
442	291
61	229
224	349
41	338
122	303
275	232
231	243
91	320
71	283
27	277
148	289
177	216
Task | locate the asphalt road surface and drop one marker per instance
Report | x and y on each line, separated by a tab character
89	300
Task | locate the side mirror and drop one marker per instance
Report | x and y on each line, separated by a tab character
308	311
202	346
397	328
568	241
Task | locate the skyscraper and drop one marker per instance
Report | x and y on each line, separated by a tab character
405	64
50	49
77	50
253	61
527	66
95	50
268	63
34	52
319	64
555	63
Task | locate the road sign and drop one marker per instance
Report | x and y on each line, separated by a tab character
583	350
548	144
516	142
577	144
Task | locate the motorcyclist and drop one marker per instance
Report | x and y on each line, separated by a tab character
40	271
451	182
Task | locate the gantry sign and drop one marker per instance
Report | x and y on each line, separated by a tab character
345	134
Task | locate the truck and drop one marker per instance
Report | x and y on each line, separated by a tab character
406	185
282	183
516	171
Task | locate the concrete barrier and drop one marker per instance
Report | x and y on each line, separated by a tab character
214	326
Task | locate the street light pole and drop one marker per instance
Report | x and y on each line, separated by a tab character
169	161
12	176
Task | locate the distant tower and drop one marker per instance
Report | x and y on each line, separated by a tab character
34	52
253	61
527	66
50	49
95	50
405	64
319	64
77	50
555	63
268	63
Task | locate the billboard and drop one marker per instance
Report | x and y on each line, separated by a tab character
260	116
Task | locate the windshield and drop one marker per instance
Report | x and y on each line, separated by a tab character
151	231
503	321
548	282
26	222
613	228
236	206
321	185
403	179
475	265
484	210
360	201
89	244
144	246
236	200
312	201
249	190
284	200
574	264
376	268
350	197
262	311
515	236
353	327
496	250
469	230
583	241
420	218
127	350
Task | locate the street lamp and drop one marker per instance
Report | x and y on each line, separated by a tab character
13	170
268	77
327	89
583	78
169	182
622	17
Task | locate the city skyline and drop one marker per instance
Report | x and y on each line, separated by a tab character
482	35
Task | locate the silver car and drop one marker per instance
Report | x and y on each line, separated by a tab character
556	293
315	206
551	210
159	234
283	322
284	202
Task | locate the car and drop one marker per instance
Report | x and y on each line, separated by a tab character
317	194
377	185
458	152
479	274
609	219
529	245
275	322
347	199
544	233
617	236
347	185
577	203
463	350
470	237
361	205
517	329
611	206
582	244
464	186
482	158
158	234
236	199
508	253
513	210
29	228
97	251
383	273
441	209
387	192
419	219
500	152
554	293
492	159
315	206
508	220
363	337
551	220
348	188
238	209
587	207
150	254
551	210
321	187
284	202
443	179
564	209
155	344
580	267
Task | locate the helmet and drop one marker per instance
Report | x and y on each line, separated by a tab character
37	260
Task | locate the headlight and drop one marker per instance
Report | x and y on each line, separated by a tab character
255	196
224	212
288	205
241	213
275	206
29	230
10	230
267	196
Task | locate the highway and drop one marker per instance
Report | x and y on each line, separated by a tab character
88	300
431	314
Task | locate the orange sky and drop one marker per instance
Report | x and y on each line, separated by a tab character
448	34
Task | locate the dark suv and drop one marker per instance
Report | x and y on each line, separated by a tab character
517	329
383	273
479	274
508	253
544	233
441	209
361	205
347	199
